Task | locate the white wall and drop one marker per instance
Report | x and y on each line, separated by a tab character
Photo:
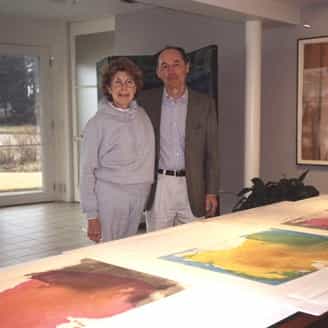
279	112
149	31
91	48
54	36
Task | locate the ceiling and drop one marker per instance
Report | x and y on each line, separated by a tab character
77	10
307	3
70	10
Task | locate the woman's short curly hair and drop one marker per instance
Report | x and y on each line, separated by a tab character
121	64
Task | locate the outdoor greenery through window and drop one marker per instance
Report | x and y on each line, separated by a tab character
20	144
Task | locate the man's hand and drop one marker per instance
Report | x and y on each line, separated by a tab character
94	230
211	205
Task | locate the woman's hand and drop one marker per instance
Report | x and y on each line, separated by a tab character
94	230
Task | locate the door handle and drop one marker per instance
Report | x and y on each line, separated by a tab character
78	138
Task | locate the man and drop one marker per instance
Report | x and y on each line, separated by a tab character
185	124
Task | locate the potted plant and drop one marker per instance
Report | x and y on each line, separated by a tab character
272	192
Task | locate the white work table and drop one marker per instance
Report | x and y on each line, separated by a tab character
212	298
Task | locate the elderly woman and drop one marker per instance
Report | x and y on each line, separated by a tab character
117	156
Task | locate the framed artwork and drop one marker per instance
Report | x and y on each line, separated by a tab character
203	75
312	103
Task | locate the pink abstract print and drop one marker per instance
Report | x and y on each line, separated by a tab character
317	221
89	290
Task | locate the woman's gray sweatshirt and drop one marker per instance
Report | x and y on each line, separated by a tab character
118	146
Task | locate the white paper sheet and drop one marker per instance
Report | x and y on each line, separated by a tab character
310	293
210	307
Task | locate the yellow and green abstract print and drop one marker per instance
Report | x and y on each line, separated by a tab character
273	256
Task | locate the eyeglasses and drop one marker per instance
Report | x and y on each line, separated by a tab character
118	84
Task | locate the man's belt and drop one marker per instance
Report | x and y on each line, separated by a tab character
180	173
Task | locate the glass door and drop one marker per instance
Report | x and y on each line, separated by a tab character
25	126
90	42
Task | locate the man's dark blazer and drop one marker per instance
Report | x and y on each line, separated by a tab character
201	145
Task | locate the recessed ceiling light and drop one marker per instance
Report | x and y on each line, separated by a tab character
307	26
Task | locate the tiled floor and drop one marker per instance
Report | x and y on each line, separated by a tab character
34	231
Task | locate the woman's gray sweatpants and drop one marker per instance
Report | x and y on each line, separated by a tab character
120	208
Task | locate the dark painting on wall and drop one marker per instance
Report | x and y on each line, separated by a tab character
203	75
312	108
